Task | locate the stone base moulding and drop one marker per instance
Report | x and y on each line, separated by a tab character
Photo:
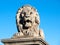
24	41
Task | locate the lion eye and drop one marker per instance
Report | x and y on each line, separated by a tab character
30	13
24	13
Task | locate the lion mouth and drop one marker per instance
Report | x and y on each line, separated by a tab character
27	24
28	21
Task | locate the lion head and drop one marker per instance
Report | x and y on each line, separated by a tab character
27	17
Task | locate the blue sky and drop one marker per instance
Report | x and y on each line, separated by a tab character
49	11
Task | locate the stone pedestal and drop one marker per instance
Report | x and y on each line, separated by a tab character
24	41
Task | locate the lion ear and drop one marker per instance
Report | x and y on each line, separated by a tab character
37	19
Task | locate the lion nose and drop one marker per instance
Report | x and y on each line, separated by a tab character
27	16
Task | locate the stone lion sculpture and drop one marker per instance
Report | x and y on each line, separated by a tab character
27	20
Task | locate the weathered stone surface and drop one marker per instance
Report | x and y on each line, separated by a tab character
24	41
27	21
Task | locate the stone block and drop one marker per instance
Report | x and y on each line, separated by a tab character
24	41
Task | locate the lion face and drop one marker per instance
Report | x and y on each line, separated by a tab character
27	17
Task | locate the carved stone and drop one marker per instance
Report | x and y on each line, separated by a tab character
27	21
24	41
